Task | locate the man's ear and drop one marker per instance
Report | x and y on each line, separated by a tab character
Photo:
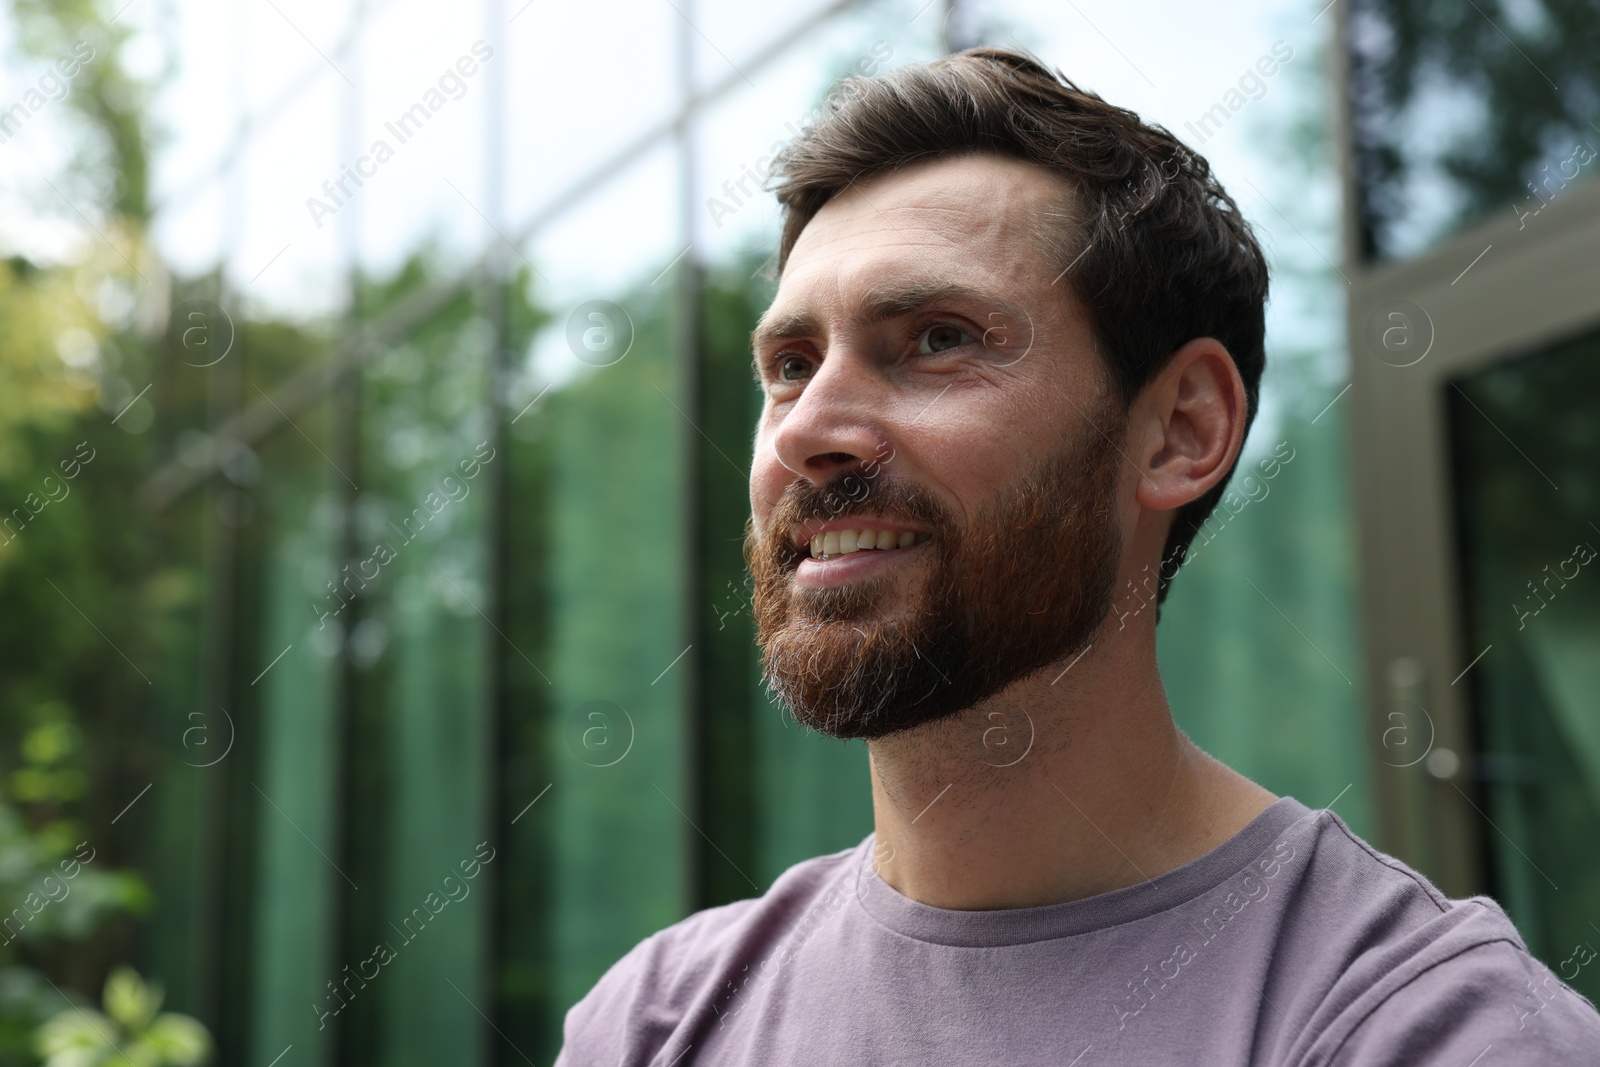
1187	425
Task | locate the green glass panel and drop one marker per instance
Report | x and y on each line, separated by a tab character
296	824
1527	483
420	652
616	588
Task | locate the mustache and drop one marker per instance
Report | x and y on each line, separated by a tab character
848	494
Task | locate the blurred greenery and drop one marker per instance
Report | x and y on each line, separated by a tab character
1456	106
54	898
71	347
113	639
129	1031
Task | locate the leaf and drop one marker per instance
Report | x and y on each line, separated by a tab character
77	1036
77	1058
129	1000
179	1039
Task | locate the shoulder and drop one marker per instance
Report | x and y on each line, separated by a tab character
1472	988
1345	872
1424	978
647	994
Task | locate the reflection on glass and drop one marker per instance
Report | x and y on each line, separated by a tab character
416	825
293	763
1527	451
611	564
1457	114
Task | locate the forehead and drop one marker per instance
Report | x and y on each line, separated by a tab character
975	220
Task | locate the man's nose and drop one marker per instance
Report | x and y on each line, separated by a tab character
838	422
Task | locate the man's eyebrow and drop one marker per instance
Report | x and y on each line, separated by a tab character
782	328
878	305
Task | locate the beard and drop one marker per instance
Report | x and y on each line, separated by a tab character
1025	585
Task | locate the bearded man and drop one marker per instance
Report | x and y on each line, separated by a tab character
1009	369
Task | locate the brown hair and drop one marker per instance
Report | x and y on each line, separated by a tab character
1157	251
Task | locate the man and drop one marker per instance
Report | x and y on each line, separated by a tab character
1010	366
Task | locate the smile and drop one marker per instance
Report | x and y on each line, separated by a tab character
843	567
836	543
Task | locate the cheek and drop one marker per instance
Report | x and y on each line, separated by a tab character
1130	512
973	456
768	480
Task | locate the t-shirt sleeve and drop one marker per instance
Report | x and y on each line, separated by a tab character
648	995
603	1027
1491	1005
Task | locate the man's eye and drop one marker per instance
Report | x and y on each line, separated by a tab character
784	366
941	338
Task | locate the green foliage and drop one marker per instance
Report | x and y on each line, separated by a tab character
129	1030
79	367
52	892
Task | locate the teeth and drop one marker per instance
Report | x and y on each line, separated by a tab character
842	542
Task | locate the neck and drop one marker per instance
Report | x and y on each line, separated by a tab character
1053	790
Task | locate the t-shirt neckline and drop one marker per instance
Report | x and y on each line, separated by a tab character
1016	926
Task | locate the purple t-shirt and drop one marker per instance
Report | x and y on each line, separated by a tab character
1294	942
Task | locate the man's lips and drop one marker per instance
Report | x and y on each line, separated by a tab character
837	570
